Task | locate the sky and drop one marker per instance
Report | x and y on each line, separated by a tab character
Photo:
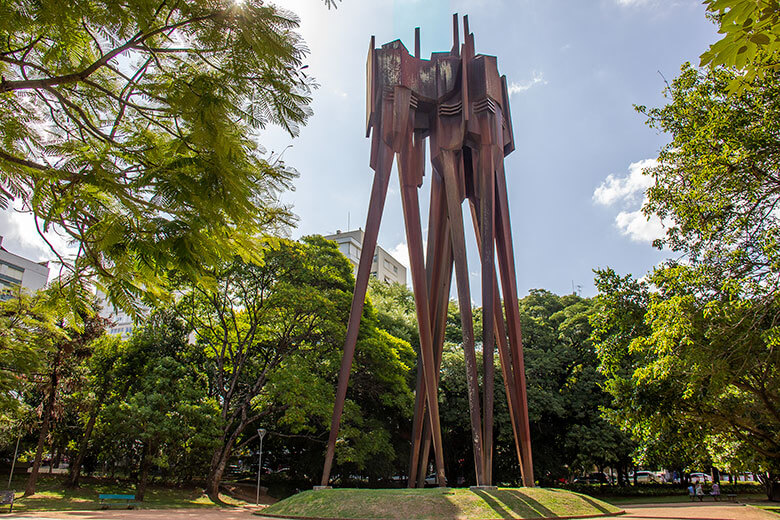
575	68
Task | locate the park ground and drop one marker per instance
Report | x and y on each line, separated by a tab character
684	511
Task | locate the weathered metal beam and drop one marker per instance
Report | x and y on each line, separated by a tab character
373	219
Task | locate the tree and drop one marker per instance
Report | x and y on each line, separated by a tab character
162	409
257	329
130	129
751	40
102	377
46	336
705	355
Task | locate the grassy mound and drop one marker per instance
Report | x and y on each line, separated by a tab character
439	504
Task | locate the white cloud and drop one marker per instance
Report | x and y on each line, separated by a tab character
537	78
401	253
628	193
625	189
21	237
631	3
636	226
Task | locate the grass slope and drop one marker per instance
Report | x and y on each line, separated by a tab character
439	504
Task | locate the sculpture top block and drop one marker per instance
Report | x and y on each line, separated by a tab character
440	86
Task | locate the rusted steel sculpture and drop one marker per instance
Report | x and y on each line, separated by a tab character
459	101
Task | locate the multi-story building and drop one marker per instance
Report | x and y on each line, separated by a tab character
17	271
384	266
121	323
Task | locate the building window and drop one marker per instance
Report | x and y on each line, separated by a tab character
395	268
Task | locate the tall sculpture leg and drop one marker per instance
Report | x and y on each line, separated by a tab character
506	262
375	208
411	209
439	328
505	355
449	167
486	217
434	269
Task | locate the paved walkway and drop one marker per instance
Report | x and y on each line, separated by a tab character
685	511
700	511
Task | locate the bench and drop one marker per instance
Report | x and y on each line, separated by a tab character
732	497
106	500
7	498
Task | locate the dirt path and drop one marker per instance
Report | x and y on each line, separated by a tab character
700	511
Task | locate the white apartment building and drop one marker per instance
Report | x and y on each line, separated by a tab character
17	271
384	266
121	323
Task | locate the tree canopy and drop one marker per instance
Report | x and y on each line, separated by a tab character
690	353
751	37
130	129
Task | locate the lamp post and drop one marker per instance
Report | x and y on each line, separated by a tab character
260	433
13	462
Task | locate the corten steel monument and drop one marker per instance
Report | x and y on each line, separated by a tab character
457	100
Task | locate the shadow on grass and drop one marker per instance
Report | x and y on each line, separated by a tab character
531	503
510	503
494	504
595	504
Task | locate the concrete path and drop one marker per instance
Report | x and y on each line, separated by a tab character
697	511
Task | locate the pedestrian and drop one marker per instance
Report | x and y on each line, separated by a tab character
715	491
691	492
699	492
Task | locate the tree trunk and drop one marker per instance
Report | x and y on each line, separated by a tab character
143	472
75	468
48	409
219	462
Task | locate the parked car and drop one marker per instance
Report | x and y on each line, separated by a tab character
643	476
700	477
594	478
430	480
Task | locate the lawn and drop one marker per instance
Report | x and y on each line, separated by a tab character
439	504
52	495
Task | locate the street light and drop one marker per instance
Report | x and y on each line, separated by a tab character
260	433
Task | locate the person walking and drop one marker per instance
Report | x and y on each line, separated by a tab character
699	492
692	492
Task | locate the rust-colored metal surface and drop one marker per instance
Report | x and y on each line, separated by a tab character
458	102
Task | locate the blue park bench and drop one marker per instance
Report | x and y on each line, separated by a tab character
107	499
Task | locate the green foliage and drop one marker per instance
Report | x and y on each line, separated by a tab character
160	402
565	400
690	356
130	128
751	38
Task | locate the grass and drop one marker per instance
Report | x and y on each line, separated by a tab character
439	504
52	495
772	507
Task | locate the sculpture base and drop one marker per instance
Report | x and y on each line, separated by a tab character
317	488
483	488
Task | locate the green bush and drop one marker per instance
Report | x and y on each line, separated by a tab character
658	489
